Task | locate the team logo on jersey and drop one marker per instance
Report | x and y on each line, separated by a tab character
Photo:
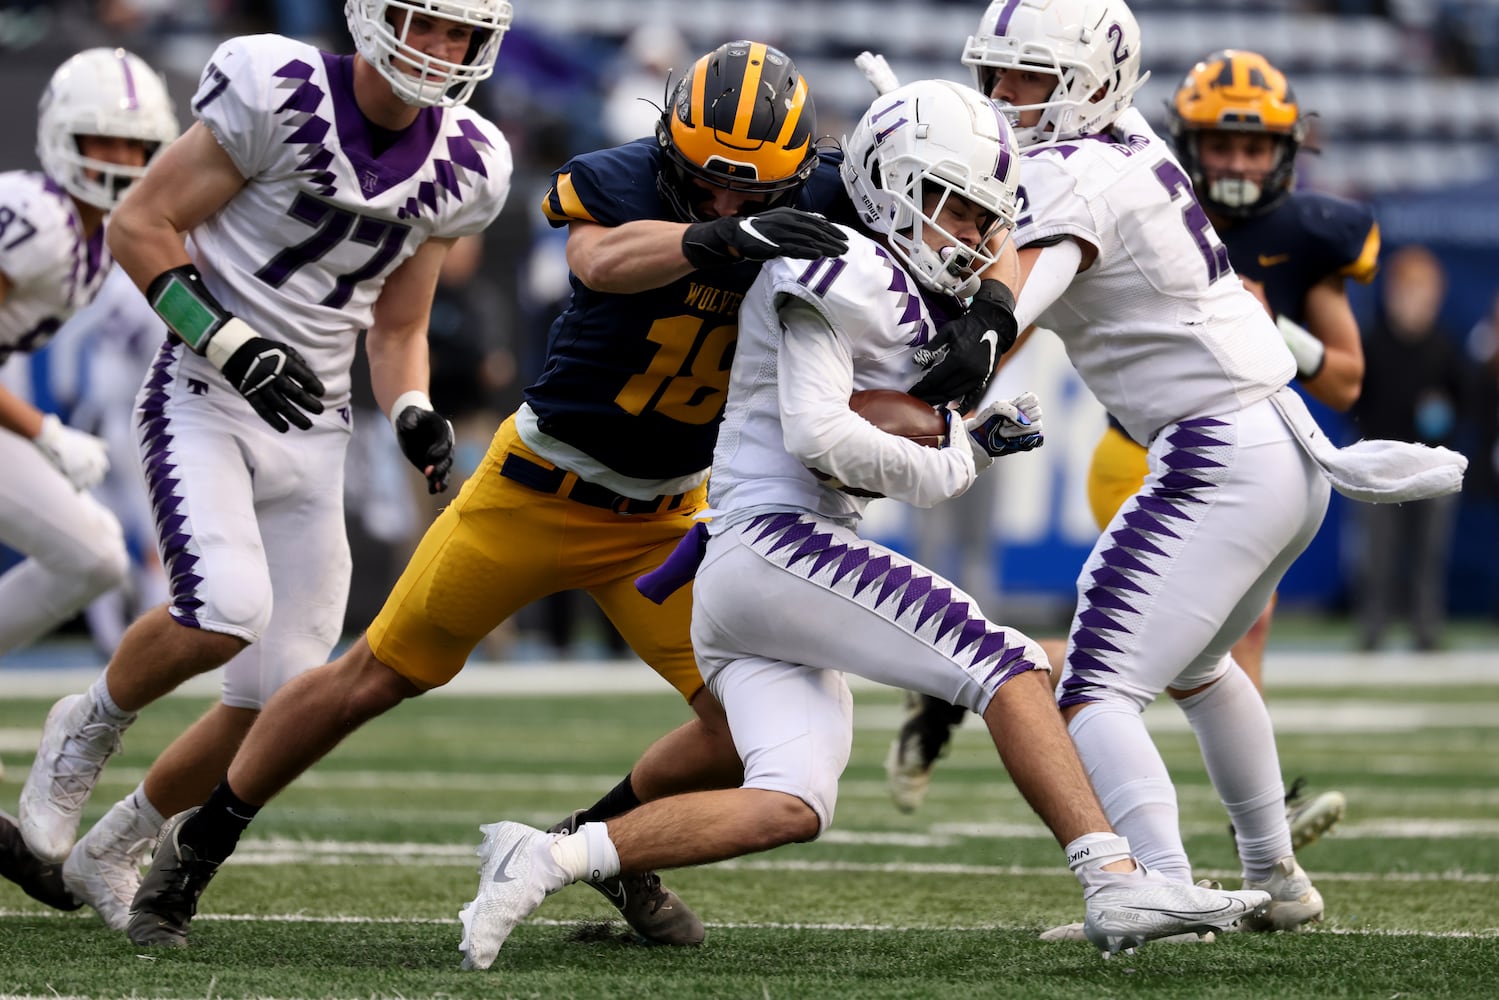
197	387
370	181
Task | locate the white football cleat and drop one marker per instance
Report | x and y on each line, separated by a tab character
74	749
1127	913
516	873
1294	901
104	868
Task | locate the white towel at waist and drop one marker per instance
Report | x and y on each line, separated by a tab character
1374	471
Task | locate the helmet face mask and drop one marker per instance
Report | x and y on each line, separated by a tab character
1235	98
913	152
381	29
109	93
1091	47
741	120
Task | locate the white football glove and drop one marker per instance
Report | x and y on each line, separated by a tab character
877	71
83	458
1005	428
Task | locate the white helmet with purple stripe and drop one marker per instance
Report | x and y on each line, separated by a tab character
102	92
1092	47
933	137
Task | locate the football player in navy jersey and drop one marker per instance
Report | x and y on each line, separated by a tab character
1237	128
601	471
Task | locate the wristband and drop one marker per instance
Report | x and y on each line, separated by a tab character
187	306
411	397
1308	351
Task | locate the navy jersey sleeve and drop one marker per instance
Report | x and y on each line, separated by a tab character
824	192
608	186
1342	235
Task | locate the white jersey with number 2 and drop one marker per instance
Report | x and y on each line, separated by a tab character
1159	326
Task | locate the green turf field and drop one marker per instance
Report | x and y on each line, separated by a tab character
351	882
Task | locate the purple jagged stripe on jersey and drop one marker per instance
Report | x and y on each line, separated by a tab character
161	483
911	313
311	131
1133	554
923	607
1003	24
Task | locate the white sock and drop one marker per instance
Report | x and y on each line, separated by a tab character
104	706
588	855
1087	855
1238	746
1133	784
144	809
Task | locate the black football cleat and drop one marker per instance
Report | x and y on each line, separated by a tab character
41	880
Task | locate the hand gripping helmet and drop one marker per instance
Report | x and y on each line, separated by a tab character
926	137
1237	91
1092	47
741	119
379	28
107	92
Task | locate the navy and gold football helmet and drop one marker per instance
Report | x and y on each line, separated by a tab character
1234	90
741	119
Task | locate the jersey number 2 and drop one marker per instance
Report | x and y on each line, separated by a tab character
332	225
1214	253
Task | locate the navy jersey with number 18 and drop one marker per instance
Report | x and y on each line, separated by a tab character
637	381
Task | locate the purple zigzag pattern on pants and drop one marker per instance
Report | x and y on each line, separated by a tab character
1118	587
161	483
904	592
309	130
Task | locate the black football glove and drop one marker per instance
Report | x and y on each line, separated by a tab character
779	232
960	358
426	440
276	381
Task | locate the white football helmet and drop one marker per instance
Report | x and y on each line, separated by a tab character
925	135
379	29
108	92
1092	47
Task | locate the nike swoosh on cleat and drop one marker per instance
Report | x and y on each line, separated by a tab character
1271	260
1197	915
500	875
616	894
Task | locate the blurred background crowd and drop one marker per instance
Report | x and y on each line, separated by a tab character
1402	91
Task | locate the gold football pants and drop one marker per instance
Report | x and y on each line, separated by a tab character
1116	473
502	545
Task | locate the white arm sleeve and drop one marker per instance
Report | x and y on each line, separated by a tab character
816	380
1054	269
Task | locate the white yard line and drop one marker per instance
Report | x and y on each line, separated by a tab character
1282	670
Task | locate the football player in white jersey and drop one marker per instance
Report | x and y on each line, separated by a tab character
787	596
104	116
319	194
1120	260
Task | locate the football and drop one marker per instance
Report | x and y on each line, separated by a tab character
902	414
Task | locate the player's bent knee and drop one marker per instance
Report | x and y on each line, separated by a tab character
785	818
1199	675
